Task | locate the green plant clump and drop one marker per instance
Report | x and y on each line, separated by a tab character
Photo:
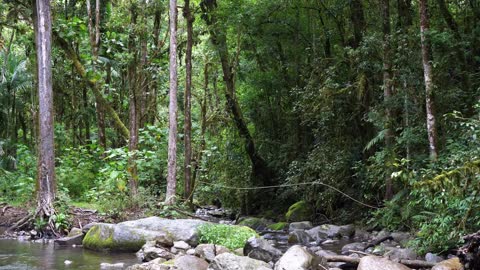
232	237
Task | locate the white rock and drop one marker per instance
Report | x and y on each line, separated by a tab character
67	262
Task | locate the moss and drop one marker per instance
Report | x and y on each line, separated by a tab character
99	238
254	222
278	226
299	211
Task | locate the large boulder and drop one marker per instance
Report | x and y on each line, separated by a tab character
451	264
299	211
228	261
299	258
132	235
117	237
379	263
300	236
255	223
355	246
189	262
261	249
302	225
210	251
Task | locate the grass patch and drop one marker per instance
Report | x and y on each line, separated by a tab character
232	237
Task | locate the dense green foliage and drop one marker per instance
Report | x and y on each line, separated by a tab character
231	237
309	83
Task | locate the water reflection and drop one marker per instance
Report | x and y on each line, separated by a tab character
17	255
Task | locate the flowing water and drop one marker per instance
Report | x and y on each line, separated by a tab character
27	255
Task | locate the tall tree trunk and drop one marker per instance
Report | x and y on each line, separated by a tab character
261	173
133	110
46	156
358	21
428	75
188	101
387	94
172	109
404	8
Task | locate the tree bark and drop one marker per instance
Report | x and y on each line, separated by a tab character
387	94
428	77
46	157
188	101
358	21
172	108
260	171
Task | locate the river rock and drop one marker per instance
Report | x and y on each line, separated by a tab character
401	237
74	232
108	266
433	258
299	236
151	250
401	254
70	240
322	232
356	246
450	264
210	251
181	245
228	261
298	258
261	249
156	264
189	262
258	224
361	235
379	263
302	225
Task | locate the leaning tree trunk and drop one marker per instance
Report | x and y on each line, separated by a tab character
172	133
428	75
188	101
46	156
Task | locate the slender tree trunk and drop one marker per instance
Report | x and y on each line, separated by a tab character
358	21
428	75
387	94
46	157
172	108
188	101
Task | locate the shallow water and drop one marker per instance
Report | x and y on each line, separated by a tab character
23	255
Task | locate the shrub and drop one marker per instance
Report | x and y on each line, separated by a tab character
232	237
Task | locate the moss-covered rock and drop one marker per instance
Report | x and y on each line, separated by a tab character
255	223
299	211
279	226
121	238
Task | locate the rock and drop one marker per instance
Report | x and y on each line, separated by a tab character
381	234
302	225
298	258
357	246
67	262
401	254
189	262
190	251
324	253
33	233
209	251
433	258
299	236
255	223
74	232
299	211
151	251
261	249
361	235
69	241
379	263
228	261
156	264
181	245
450	264
346	230
322	232
401	237
87	227
105	266
280	226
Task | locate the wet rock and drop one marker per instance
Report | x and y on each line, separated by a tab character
356	246
450	264
346	230
361	235
189	262
299	258
322	232
433	258
261	249
33	233
75	232
379	263
181	245
299	236
401	254
151	251
87	227
108	266
303	225
210	251
401	237
70	240
228	261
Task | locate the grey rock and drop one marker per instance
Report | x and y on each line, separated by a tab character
361	235
189	262
379	263
299	236
156	264
190	251
228	261
210	251
401	254
324	253
357	246
298	258
181	245
401	237
151	251
74	232
261	249
87	227
433	258
303	225
346	230
107	266
69	241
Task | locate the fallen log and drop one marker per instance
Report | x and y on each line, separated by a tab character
355	261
